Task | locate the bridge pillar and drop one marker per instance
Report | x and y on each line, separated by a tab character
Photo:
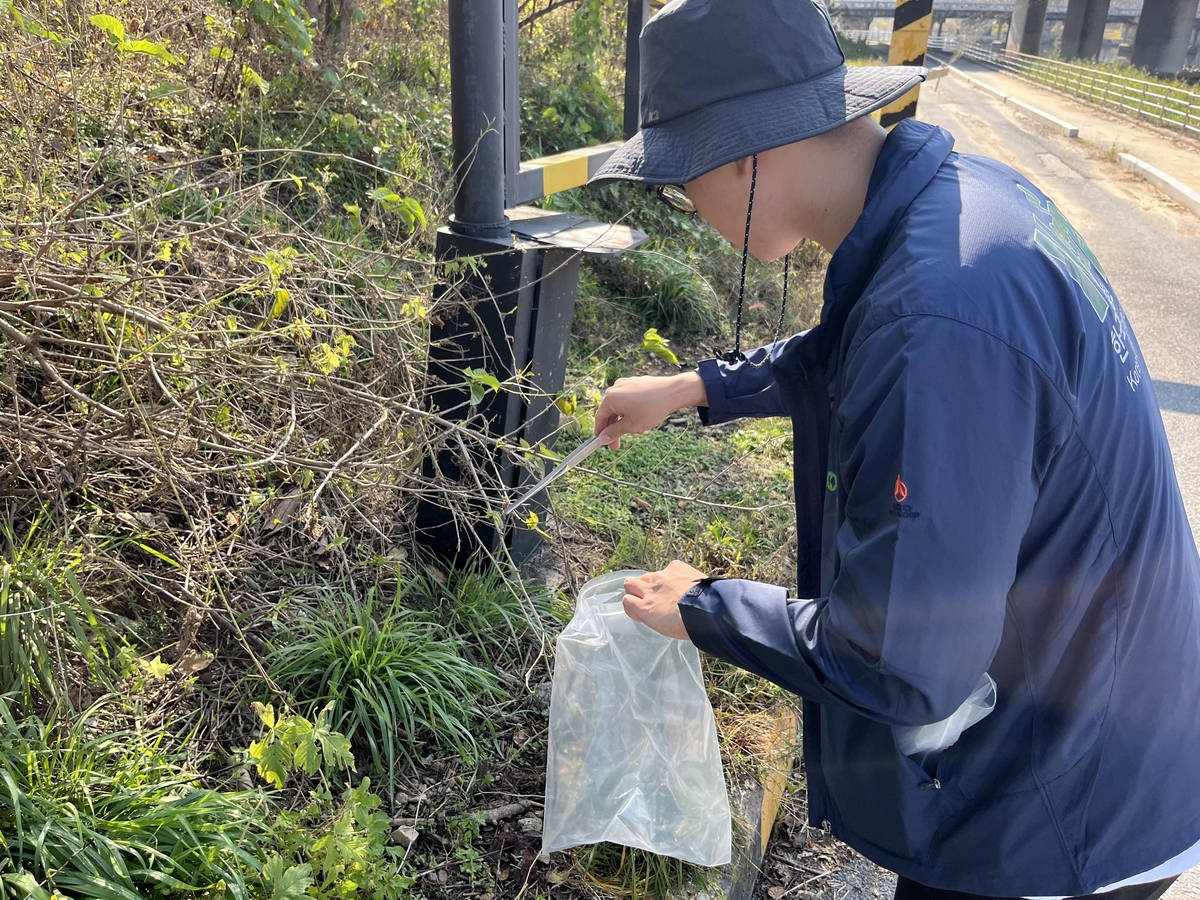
1162	35
1083	30
1028	23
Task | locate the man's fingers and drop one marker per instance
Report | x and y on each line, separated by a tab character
635	586
632	609
604	418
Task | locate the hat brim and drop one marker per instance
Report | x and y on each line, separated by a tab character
682	149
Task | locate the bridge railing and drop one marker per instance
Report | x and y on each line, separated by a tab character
1163	104
880	37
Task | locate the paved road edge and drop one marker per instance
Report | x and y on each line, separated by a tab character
1038	115
1172	187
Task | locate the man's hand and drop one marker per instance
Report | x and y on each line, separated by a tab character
653	599
635	405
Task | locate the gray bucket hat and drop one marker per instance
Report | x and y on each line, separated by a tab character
724	79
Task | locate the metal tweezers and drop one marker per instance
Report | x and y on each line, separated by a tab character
574	458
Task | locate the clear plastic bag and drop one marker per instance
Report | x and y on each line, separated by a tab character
921	740
633	755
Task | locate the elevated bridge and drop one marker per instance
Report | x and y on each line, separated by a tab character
1124	12
1165	33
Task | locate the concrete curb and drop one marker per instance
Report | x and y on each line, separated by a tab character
1172	187
1038	115
1052	122
979	85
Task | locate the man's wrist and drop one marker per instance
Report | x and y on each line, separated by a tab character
691	392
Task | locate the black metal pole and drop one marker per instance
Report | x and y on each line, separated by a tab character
477	114
639	12
512	102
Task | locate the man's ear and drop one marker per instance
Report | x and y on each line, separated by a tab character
743	167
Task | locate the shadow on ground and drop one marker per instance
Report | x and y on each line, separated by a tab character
1176	397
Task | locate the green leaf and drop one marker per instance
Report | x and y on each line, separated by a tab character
327	358
166	89
156	668
482	377
334	746
111	26
413	213
150	49
33	27
291	883
653	342
306	755
266	713
272	760
479	381
250	78
23	880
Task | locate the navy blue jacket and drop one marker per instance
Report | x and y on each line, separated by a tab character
983	483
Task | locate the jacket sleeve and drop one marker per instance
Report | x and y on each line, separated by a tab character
938	479
744	389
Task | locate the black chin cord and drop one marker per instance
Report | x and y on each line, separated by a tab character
736	354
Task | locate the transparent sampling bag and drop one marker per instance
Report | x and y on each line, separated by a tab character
921	740
633	755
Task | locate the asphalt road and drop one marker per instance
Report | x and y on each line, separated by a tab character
1148	245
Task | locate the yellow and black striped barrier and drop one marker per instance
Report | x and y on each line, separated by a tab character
550	174
910	39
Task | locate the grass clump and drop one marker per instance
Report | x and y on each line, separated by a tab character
488	615
393	677
637	874
47	627
113	816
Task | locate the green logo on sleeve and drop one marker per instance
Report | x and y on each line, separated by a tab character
831	481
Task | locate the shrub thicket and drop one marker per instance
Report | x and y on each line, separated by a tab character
216	285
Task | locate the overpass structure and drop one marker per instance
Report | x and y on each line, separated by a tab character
1121	11
1165	30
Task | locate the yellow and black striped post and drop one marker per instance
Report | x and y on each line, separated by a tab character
910	39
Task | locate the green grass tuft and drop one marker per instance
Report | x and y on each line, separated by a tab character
395	678
493	617
46	623
637	874
109	816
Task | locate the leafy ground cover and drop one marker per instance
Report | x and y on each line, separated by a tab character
226	669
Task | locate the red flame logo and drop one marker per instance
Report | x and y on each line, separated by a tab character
901	490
